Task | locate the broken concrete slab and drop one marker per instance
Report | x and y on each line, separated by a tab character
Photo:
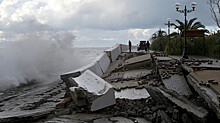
163	117
124	47
25	116
138	62
104	61
199	113
84	117
176	83
125	84
98	92
102	120
98	66
120	120
135	74
114	52
60	120
206	75
131	74
206	93
163	58
157	96
113	66
132	93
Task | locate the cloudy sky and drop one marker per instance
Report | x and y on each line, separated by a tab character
94	22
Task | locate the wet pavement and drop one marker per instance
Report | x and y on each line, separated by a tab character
30	102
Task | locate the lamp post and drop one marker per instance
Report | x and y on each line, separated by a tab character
168	24
185	11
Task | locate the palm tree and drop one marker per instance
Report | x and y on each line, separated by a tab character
157	40
189	25
158	34
174	35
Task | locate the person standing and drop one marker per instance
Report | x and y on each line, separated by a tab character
148	46
129	43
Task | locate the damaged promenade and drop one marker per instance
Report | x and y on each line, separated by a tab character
124	87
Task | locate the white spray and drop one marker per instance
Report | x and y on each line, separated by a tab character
41	56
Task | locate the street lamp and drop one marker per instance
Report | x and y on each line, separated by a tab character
185	11
168	24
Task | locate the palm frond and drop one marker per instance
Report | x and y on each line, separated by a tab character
197	25
189	25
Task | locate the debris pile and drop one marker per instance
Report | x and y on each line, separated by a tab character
152	87
129	87
92	91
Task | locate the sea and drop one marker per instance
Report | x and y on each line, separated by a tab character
18	68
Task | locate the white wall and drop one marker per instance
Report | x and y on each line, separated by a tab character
104	61
115	52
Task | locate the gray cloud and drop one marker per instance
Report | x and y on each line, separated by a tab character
26	26
109	21
102	14
126	14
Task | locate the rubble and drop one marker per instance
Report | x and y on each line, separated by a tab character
157	96
164	118
132	94
92	91
160	96
198	112
135	87
172	76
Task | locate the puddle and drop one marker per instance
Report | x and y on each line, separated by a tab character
132	94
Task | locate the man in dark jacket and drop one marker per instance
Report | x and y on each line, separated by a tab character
148	46
129	42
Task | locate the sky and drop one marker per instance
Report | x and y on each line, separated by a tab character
94	23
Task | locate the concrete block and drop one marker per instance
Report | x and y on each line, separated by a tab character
115	51
124	47
95	68
104	61
98	93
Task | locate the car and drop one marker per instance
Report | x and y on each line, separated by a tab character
142	46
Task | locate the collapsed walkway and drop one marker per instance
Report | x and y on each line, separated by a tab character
122	86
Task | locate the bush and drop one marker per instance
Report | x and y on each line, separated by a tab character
195	46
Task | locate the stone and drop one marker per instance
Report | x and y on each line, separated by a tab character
215	82
102	120
149	117
176	115
78	95
139	120
59	112
120	120
96	91
185	118
157	96
164	117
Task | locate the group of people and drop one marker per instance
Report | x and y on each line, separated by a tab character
147	45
